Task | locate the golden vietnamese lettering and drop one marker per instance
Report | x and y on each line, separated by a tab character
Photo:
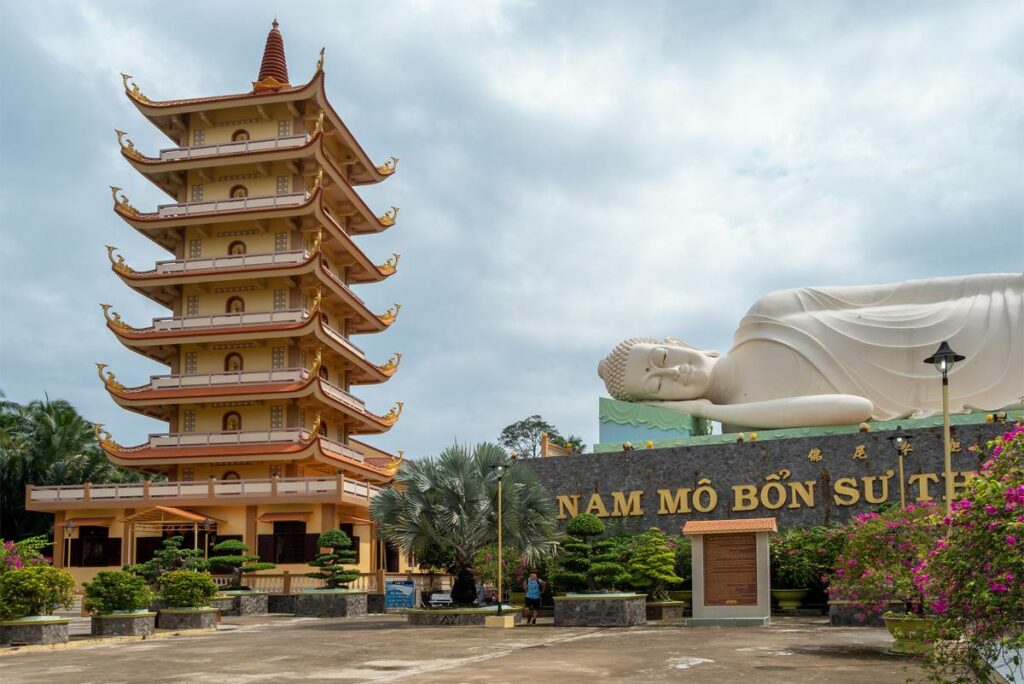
776	492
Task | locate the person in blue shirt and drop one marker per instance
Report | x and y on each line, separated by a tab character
533	587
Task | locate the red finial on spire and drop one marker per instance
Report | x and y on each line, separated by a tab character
274	65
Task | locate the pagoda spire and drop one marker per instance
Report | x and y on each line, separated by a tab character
273	69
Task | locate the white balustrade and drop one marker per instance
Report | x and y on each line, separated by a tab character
189	439
341	395
235	147
229	319
232	204
231	262
227	378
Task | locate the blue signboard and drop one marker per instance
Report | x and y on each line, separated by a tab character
399	594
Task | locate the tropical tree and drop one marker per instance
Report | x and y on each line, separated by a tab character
573	442
450	502
231	553
168	558
45	443
523	437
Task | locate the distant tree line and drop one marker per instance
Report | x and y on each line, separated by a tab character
524	437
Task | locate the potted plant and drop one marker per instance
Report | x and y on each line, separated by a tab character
876	569
186	595
170	556
231	555
28	597
120	603
335	599
652	569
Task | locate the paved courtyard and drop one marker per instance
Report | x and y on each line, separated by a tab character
383	649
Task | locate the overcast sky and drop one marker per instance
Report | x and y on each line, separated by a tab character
572	173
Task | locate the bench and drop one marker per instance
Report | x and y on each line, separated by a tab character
440	599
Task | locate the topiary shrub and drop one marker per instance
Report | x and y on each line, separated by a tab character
116	591
170	556
608	564
186	589
576	556
652	567
34	590
231	554
332	564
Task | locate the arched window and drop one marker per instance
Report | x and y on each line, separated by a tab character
233	362
241	135
236	248
232	422
239	192
230	475
235	305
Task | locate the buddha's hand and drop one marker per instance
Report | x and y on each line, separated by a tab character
701	408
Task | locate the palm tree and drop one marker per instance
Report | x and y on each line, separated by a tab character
450	502
45	443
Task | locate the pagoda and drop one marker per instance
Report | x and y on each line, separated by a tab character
258	396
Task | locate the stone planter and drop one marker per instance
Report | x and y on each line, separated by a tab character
456	617
34	630
375	603
337	603
517	598
665	610
789	599
135	623
911	633
245	603
225	604
843	614
188	618
600	610
685	596
281	603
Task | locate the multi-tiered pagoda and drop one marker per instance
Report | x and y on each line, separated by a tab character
262	422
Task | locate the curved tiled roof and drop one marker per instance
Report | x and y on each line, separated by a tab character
274	64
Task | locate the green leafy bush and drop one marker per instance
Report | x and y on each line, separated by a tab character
683	561
34	590
116	591
585	526
652	566
332	564
231	554
576	555
803	557
167	558
186	589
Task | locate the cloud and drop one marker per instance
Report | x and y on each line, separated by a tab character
571	174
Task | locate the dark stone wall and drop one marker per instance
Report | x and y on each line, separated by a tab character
596	612
776	472
330	604
126	625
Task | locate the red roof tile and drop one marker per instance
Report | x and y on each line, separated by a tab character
729	526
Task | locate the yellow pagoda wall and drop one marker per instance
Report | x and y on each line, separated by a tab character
219	181
226	121
215	241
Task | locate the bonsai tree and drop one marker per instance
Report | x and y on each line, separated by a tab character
168	558
35	590
576	556
608	564
652	567
450	502
111	592
186	589
231	554
332	564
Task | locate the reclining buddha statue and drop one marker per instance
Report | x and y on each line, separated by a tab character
840	355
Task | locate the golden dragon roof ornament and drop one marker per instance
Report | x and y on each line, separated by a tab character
121	204
389	316
391	467
389	266
109	380
388	167
320	62
114	319
391	417
314	370
134	91
317	181
319	125
104	437
318	425
388	219
127	146
318	298
119	265
392	364
317	243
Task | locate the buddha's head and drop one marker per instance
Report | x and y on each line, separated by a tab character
643	368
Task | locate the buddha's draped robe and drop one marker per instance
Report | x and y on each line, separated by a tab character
871	340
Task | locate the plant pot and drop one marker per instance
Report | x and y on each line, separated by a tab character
683	595
600	610
187	618
331	603
34	629
789	599
911	633
128	623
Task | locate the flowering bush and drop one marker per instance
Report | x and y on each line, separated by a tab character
26	553
110	592
34	590
803	557
974	573
882	550
515	567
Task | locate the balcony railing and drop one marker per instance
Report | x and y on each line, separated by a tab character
228	320
193	439
199	151
276	487
227	379
343	341
231	204
234	261
341	395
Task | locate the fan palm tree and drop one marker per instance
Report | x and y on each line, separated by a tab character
450	502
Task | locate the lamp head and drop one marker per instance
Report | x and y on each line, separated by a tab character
499	468
944	358
70	525
900	439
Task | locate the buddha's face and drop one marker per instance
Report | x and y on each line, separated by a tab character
660	371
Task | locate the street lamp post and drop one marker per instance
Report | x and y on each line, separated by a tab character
943	360
68	527
499	471
900	441
207	524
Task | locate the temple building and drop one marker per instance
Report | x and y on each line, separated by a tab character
264	439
